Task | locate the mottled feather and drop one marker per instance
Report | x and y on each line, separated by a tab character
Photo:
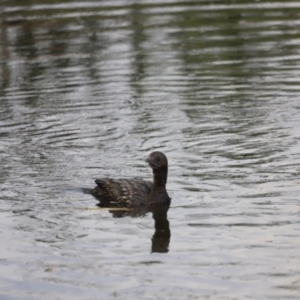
122	192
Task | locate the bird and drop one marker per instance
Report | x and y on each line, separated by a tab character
136	192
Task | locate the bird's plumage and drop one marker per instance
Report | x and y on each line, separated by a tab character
135	192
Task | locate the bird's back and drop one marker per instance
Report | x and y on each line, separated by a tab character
122	192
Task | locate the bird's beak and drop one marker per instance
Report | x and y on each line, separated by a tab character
151	163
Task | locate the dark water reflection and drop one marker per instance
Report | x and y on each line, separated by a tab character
162	234
88	89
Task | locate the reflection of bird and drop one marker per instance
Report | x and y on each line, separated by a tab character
162	234
136	192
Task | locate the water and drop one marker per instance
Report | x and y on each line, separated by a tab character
89	89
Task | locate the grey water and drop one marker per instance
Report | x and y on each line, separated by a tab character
89	88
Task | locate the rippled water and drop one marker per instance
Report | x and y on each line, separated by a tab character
88	89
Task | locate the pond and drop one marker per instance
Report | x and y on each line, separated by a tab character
89	88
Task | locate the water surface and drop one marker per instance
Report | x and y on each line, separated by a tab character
88	89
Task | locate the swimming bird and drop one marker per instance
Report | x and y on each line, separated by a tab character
136	192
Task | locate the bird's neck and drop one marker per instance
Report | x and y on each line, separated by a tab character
160	179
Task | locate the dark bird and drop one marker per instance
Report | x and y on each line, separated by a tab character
136	192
